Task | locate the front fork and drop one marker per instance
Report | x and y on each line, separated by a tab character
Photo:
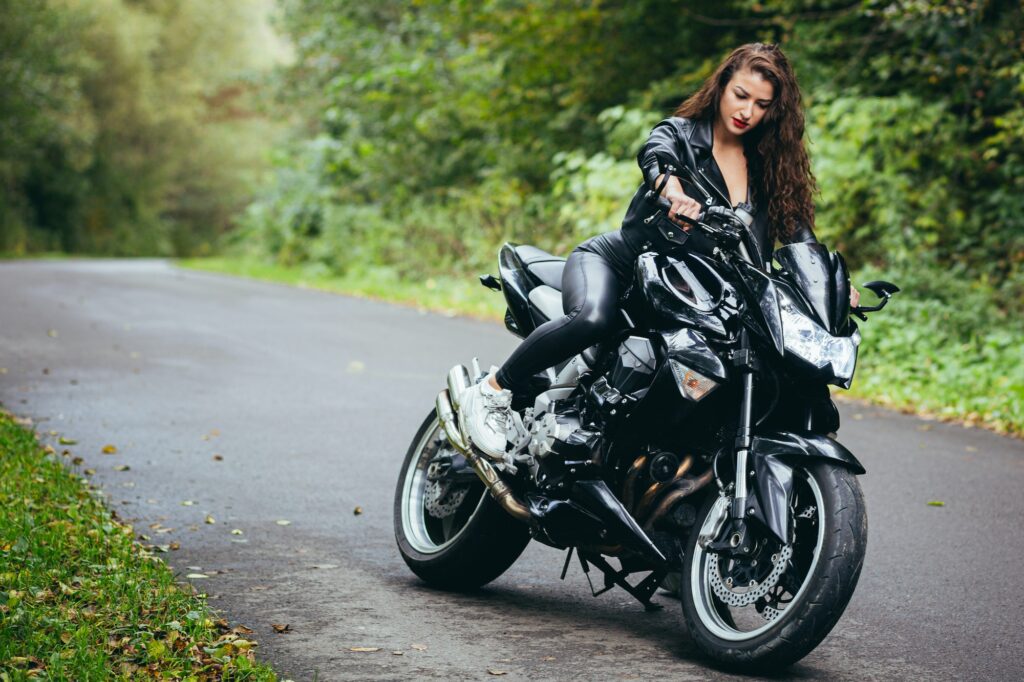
736	539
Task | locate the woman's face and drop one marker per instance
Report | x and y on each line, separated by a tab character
744	101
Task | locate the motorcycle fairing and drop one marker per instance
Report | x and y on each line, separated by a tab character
690	348
773	457
767	315
686	291
821	279
515	285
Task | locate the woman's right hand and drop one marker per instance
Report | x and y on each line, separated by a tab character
681	202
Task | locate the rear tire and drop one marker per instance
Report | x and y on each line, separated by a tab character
481	542
834	559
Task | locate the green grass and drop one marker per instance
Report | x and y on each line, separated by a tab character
80	599
910	359
457	295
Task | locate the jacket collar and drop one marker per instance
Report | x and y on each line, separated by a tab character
700	136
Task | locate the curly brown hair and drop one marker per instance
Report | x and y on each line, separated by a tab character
776	154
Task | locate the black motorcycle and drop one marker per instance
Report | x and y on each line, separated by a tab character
697	446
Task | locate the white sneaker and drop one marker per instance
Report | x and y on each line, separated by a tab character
484	415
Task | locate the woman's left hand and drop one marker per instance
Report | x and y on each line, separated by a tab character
854	296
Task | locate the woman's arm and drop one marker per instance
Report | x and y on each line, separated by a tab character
660	151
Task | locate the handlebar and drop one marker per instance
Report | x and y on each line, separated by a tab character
718	223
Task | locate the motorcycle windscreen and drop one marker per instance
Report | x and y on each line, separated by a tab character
821	281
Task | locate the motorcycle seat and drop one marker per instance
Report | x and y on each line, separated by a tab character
545	266
547	300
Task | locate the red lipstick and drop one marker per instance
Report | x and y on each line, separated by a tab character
739	124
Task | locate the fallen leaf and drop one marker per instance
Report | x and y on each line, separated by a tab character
241	630
357	511
196	576
496	673
90	472
282	522
210	520
936	503
218	458
548	658
281	628
187	503
398	653
67	441
364	649
77	460
52	333
3	370
419	647
355	367
109	450
122	467
970	448
175	545
236	531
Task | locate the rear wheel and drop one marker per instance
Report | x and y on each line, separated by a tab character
451	534
772	609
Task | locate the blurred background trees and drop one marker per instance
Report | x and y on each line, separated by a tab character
412	137
128	127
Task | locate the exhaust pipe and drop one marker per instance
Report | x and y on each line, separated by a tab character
458	382
499	491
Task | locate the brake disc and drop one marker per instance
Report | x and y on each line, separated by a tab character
726	591
441	498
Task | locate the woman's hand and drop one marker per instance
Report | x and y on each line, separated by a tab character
681	203
854	297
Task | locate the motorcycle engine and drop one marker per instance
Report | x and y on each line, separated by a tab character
550	429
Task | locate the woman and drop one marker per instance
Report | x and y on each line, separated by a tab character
746	128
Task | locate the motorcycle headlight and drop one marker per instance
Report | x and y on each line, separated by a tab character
806	339
692	384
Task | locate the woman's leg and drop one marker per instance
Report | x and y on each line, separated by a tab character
590	298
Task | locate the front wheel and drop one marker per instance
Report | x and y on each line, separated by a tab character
773	608
450	531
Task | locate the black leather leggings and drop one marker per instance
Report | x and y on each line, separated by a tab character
595	275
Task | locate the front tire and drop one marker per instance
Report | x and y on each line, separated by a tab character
827	556
468	548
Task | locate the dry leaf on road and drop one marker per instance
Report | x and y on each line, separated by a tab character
281	628
109	449
364	649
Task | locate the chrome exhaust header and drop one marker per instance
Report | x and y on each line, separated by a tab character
484	470
458	382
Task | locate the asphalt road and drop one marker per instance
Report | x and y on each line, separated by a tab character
311	401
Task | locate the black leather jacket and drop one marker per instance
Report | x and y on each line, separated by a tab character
663	149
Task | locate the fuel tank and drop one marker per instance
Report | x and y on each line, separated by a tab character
686	291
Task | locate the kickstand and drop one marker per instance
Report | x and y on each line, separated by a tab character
642	592
565	568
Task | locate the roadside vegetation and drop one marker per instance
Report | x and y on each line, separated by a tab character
421	135
81	599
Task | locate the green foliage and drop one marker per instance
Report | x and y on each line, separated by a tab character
425	133
128	127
